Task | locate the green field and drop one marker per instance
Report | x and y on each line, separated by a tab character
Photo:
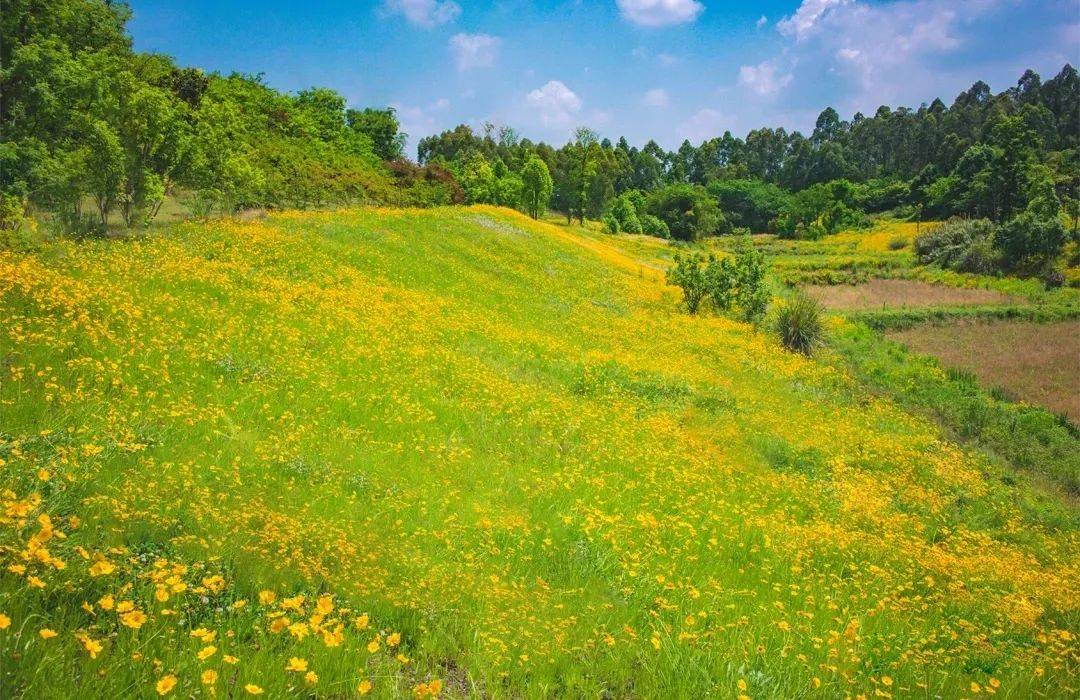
455	451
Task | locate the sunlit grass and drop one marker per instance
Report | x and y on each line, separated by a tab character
460	451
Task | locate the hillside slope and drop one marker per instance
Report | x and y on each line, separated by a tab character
460	451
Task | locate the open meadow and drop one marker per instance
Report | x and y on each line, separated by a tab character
459	451
622	350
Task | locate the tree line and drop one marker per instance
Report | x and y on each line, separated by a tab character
92	129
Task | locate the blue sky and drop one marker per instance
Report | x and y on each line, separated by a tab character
662	69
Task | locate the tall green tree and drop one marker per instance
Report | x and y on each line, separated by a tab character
537	186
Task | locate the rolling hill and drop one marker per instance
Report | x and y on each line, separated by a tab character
456	451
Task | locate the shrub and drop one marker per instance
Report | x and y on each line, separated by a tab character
625	213
738	282
799	324
898	243
1029	243
688	210
201	202
688	273
611	224
652	226
959	244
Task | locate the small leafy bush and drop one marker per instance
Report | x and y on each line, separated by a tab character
688	273
1029	243
611	224
965	245
800	325
653	226
734	283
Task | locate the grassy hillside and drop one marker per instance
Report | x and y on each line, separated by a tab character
458	451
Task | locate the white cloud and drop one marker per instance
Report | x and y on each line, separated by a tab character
764	79
762	21
424	13
660	13
806	17
474	50
657	97
419	121
704	124
556	104
875	52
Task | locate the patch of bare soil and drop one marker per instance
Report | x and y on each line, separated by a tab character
890	293
1036	362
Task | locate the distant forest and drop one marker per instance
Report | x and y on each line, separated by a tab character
92	129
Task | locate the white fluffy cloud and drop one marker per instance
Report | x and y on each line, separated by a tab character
474	50
657	97
554	103
764	79
806	17
424	13
887	50
660	13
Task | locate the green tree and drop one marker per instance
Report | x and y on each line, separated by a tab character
537	187
381	126
688	210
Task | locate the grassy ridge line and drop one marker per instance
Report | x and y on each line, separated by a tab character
513	453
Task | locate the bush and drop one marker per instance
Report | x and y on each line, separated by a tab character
799	324
611	224
652	226
749	203
688	273
625	213
1029	243
732	282
898	243
688	210
965	245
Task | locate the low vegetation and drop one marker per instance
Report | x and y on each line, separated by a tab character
462	452
799	324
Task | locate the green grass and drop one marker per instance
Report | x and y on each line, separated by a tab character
503	441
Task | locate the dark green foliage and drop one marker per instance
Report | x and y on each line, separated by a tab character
611	224
381	128
800	325
819	210
652	226
688	210
624	211
1030	244
750	203
965	245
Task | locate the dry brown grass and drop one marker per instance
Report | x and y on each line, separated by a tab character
890	293
1038	363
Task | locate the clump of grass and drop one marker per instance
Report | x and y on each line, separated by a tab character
898	243
799	324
